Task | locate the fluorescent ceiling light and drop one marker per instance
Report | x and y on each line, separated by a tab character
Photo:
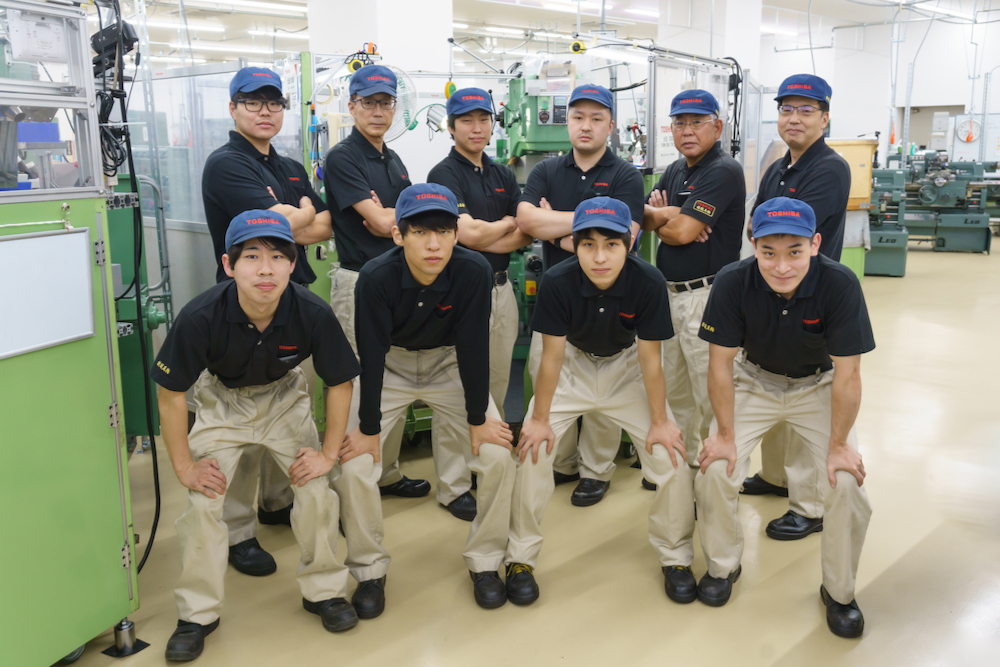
942	10
204	27
644	12
571	9
584	4
505	31
460	26
552	35
629	56
279	33
235	48
506	53
176	59
251	4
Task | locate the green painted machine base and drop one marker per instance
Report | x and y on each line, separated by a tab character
888	254
854	259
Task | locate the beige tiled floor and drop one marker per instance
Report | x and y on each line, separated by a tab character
929	582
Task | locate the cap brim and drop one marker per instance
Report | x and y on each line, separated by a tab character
606	223
257	233
590	99
257	85
424	206
476	107
782	228
374	90
811	96
680	112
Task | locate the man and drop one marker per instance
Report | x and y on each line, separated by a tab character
590	311
363	178
802	322
554	189
240	344
814	173
423	334
487	195
248	173
702	194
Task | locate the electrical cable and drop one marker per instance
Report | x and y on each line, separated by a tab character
736	144
809	30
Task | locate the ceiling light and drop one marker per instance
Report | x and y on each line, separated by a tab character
552	35
235	48
205	27
460	26
585	4
279	33
177	59
505	31
630	56
505	53
942	10
644	12
250	4
571	9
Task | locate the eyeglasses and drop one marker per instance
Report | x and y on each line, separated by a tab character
680	126
274	106
370	102
804	110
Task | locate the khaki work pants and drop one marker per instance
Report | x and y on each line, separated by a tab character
764	400
685	369
453	474
277	417
786	461
592	451
613	388
430	376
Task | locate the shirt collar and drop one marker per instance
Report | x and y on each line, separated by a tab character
589	289
366	146
713	154
813	152
407	281
606	160
806	288
235	314
239	142
461	159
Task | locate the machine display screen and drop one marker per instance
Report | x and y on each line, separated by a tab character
559	110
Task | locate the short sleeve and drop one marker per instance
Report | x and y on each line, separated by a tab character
332	355
826	189
848	329
628	189
661	184
537	185
314	197
712	195
183	355
551	314
513	190
443	175
346	180
722	322
653	321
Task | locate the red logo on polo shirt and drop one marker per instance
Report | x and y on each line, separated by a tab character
262	221
816	321
499	189
442	309
288	347
803	86
432	196
294	178
778	214
791	189
630	316
604	185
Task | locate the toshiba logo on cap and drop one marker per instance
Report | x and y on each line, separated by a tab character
592	91
691	100
803	86
778	214
473	97
376	77
261	74
262	221
600	210
432	196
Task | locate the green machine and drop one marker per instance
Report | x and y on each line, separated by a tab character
68	549
886	221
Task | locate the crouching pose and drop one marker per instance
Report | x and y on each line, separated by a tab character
240	344
803	325
590	311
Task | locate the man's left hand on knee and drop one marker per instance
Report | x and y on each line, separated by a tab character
492	431
309	464
844	457
668	435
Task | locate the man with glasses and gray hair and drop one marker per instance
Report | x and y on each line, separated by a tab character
697	210
816	174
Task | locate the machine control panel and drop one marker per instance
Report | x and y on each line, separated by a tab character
552	109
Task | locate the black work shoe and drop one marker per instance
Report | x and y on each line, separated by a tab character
649	486
337	613
756	486
793	526
369	598
589	492
680	584
475	482
282	517
715	592
406	488
248	557
844	620
521	586
489	591
188	640
561	478
463	507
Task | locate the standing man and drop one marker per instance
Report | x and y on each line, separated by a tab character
802	322
602	315
239	344
702	194
248	173
487	195
363	178
554	189
423	334
814	173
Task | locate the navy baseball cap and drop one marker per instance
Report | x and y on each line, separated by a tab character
589	91
469	99
373	79
694	101
425	197
257	222
250	79
605	212
805	85
783	215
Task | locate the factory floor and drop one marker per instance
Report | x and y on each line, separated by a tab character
929	580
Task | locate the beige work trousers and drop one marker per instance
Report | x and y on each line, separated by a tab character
786	461
431	376
763	400
278	417
593	449
613	388
453	473
342	302
685	369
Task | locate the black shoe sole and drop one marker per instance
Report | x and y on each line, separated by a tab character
369	615
682	599
768	491
588	501
490	604
522	602
188	656
263	572
346	624
827	600
382	490
649	486
459	515
718	602
790	537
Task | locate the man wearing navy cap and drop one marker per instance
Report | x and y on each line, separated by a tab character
487	194
422	322
554	189
240	344
814	173
698	210
363	178
591	310
801	320
248	173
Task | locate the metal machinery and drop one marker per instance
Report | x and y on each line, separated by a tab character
68	550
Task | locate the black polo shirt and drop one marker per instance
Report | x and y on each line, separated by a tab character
820	178
392	308
353	168
236	178
565	185
712	191
603	323
793	337
486	194
213	332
